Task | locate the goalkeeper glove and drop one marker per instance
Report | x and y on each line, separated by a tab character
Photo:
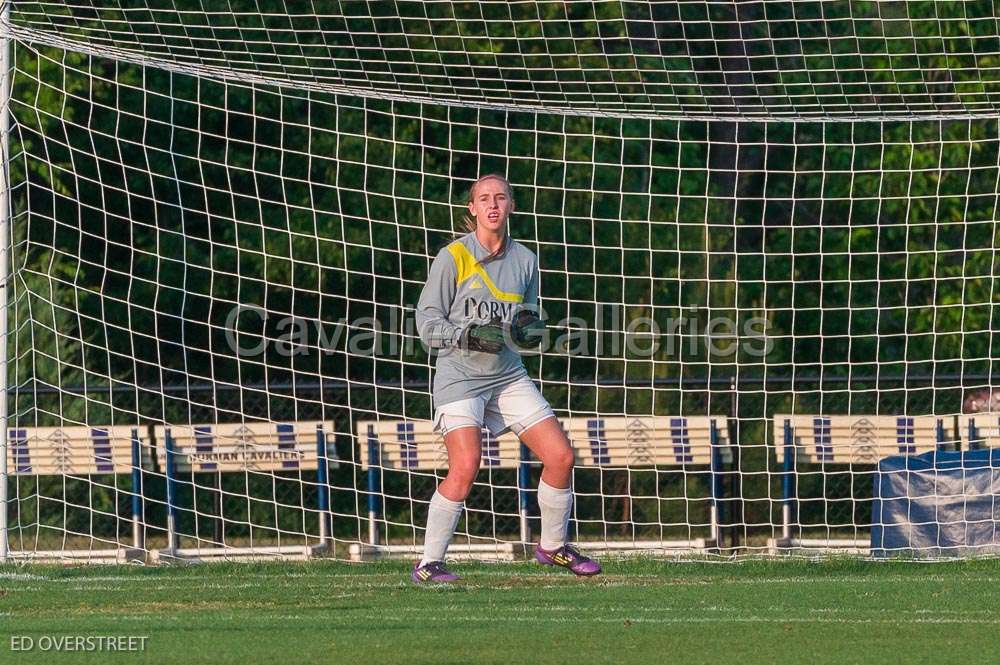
527	329
487	337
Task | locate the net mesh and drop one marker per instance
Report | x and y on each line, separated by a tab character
790	59
225	216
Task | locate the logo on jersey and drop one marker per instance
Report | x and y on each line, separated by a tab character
487	309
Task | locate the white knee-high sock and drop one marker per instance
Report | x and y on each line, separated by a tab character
555	505
442	518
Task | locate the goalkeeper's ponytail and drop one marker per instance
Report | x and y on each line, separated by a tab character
469	222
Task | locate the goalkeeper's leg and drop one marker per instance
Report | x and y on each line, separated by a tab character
548	442
463	441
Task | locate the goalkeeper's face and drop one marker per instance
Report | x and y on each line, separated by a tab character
491	204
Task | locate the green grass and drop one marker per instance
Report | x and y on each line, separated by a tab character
640	611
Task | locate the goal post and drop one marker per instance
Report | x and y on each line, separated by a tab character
5	247
766	234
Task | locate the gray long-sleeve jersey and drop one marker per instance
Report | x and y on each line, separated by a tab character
460	290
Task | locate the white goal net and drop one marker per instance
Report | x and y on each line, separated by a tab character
766	234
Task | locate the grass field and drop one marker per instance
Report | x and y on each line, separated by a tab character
640	611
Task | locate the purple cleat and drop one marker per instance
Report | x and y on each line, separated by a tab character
568	557
432	571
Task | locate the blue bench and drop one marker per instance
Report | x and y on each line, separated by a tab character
254	447
842	442
608	443
85	452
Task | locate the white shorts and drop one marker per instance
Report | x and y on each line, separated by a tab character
515	408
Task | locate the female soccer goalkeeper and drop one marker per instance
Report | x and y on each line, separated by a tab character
479	287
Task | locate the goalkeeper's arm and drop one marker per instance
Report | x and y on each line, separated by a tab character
527	330
436	331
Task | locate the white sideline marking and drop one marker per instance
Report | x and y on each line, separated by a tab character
860	578
168	587
358	583
576	619
20	576
673	577
544	608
